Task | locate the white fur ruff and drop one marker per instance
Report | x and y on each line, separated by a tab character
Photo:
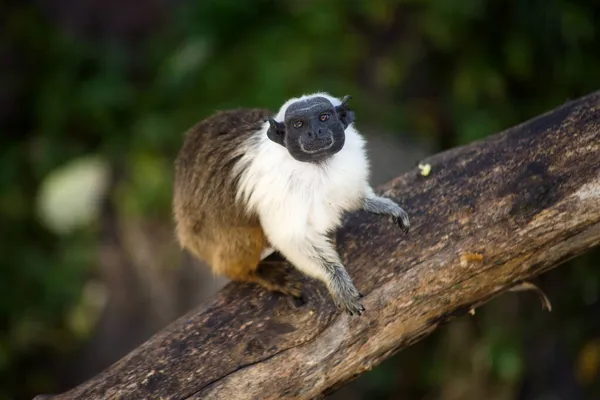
299	203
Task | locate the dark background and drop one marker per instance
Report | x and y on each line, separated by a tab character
96	94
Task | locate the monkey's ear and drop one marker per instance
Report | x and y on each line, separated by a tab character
276	131
344	113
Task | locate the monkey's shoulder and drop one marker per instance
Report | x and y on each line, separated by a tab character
233	121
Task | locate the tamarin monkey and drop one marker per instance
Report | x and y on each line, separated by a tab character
249	183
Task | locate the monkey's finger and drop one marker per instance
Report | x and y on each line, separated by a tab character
350	307
403	221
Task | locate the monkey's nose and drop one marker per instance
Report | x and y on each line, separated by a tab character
322	133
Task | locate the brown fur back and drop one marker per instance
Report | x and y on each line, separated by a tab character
209	222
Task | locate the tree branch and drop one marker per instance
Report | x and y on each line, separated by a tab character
489	215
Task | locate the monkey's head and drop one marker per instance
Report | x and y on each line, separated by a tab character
313	129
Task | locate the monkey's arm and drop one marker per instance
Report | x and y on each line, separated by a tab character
384	206
313	254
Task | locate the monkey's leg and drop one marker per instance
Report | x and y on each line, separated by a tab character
239	258
315	256
384	206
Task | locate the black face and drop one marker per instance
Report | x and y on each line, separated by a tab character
313	129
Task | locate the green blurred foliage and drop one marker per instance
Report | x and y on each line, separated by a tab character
452	71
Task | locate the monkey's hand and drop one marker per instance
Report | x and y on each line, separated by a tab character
343	292
384	206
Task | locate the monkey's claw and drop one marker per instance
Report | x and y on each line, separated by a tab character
402	221
351	307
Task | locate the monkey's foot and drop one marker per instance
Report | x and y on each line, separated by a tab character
277	276
344	294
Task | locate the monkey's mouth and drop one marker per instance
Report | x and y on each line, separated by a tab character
316	146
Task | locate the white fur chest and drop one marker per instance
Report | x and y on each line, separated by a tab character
293	198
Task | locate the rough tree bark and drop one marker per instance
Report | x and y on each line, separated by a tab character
488	216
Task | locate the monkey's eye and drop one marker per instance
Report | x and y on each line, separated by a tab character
298	124
324	117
